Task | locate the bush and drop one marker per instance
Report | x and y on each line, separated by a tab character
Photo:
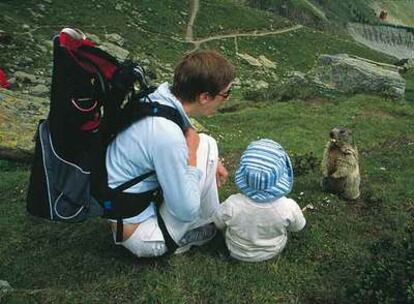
304	163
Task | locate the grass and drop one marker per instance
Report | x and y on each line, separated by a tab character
409	90
79	264
212	19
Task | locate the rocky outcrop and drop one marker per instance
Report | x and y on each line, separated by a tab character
261	61
394	41
351	74
334	75
19	115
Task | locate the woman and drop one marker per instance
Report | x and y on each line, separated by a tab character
186	163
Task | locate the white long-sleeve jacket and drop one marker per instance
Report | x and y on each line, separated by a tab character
156	143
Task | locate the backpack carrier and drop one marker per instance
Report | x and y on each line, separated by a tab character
68	179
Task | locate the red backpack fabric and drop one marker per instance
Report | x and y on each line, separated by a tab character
3	80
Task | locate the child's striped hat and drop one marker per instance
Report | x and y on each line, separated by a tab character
265	171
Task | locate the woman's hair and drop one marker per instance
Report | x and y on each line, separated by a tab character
199	72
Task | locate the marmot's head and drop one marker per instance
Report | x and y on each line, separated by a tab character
340	137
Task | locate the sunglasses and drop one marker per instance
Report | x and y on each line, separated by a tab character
225	94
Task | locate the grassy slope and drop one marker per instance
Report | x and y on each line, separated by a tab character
401	12
212	19
79	263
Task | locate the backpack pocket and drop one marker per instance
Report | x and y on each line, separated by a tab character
66	195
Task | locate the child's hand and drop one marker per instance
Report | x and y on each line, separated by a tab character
221	174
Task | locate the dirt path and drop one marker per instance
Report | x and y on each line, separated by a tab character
189	38
194	7
317	11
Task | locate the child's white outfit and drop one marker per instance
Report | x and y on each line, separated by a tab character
256	221
257	231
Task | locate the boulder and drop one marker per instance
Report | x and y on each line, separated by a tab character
39	90
115	50
19	116
297	78
250	59
24	77
5	287
115	38
352	74
267	63
261	84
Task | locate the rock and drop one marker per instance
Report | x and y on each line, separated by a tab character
115	38
25	77
93	37
236	81
35	14
41	7
19	116
39	90
297	78
5	287
409	64
266	62
24	61
12	81
115	50
352	74
42	48
261	84
262	61
250	59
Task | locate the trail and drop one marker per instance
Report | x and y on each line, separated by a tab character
189	38
317	10
194	7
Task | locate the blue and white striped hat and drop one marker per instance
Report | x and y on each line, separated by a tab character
265	171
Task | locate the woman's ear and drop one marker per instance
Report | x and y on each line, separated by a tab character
204	98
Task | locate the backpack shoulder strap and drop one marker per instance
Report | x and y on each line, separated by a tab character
142	110
136	110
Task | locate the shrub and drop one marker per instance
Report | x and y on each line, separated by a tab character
304	163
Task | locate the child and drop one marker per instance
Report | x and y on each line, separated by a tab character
256	221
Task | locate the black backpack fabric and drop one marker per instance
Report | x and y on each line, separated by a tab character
68	179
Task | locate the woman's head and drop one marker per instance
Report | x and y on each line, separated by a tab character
201	72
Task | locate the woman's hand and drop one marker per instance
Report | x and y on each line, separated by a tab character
193	139
221	174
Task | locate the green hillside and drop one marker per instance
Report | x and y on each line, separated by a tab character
349	252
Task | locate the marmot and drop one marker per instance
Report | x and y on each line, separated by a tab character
339	166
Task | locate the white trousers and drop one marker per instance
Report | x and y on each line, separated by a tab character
148	241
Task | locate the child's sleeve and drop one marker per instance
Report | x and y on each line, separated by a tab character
297	220
223	214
